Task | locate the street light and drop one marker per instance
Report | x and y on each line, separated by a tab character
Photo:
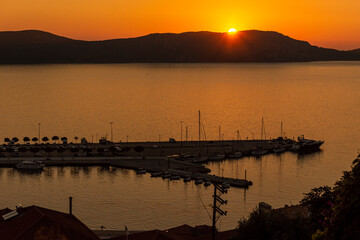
111	130
181	122
39	133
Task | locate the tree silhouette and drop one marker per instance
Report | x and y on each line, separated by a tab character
35	139
26	139
345	220
64	139
45	139
55	138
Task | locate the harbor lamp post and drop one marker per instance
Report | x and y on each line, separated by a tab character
181	123
39	133
111	130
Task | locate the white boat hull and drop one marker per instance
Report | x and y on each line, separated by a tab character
30	165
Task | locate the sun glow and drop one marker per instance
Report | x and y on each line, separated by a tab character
232	30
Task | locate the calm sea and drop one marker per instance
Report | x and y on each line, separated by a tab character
147	102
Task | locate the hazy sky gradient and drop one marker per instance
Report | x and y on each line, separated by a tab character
330	23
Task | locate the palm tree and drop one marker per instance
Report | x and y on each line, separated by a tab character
35	139
55	138
64	140
76	138
26	139
7	140
15	139
45	139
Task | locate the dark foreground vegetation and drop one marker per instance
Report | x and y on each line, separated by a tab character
334	213
31	46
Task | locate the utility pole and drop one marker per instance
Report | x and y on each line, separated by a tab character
181	122
111	130
217	212
238	138
39	133
262	128
219	133
199	135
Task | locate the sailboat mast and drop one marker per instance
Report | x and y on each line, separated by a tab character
237	138
199	134
262	128
219	133
281	133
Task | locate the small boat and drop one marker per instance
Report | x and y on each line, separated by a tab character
207	183
30	165
295	147
259	152
235	155
166	175
156	174
199	181
187	179
308	144
216	157
176	177
141	171
260	149
280	149
199	160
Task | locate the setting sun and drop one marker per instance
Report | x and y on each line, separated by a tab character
232	30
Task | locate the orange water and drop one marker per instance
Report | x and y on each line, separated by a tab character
320	100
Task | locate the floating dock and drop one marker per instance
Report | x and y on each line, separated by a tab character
149	164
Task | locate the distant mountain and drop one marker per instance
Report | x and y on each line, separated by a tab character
32	46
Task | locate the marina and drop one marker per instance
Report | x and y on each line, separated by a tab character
227	94
148	160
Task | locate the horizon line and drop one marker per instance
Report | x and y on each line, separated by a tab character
200	31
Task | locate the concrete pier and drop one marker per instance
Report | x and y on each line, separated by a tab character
149	156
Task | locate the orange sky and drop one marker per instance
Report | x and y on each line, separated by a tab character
326	23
